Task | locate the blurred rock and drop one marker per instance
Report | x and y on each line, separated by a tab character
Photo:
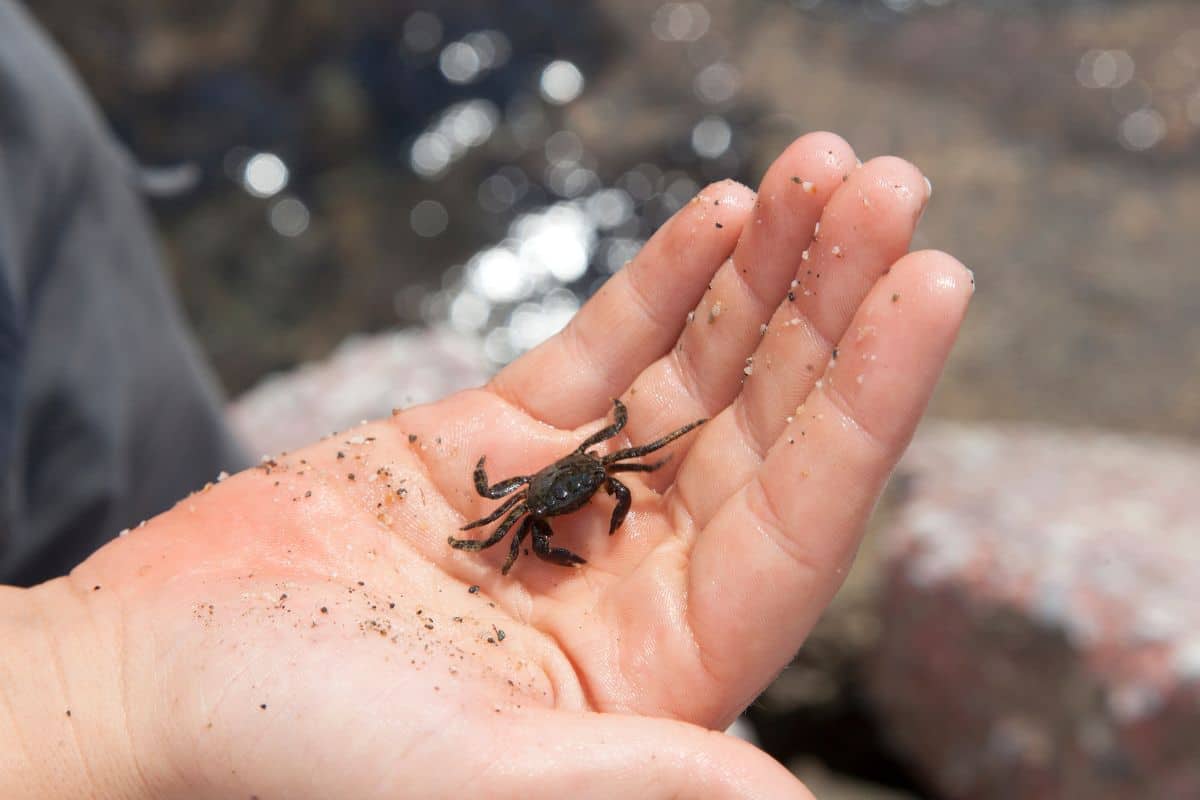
1041	615
365	378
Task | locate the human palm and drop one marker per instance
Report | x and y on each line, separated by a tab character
304	629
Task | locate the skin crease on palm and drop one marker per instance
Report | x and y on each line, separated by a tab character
303	630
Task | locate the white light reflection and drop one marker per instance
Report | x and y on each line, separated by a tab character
502	191
711	137
1105	69
265	175
680	22
564	147
621	252
641	182
460	62
530	324
679	191
499	275
1142	129
561	82
609	208
422	32
467	60
492	47
558	242
497	194
498	347
472	123
570	180
717	83
429	218
469	312
170	181
290	217
431	155
461	127
529	272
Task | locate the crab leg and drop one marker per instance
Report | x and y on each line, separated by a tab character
475	545
636	452
555	555
500	489
515	549
638	467
620	417
624	499
495	515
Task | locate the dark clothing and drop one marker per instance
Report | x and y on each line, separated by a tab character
107	412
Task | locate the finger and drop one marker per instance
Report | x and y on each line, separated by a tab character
778	549
865	228
588	755
704	372
634	318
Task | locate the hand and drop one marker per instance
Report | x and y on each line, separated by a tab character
303	629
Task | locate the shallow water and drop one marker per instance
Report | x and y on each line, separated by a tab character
383	165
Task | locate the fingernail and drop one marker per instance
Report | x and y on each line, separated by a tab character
925	204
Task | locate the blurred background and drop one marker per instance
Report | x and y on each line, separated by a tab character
368	203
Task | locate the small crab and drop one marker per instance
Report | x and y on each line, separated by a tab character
563	487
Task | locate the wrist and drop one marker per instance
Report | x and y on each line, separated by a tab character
63	726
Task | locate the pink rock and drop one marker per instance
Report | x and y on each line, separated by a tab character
1041	615
365	378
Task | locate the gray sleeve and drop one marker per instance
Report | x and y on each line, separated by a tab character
114	415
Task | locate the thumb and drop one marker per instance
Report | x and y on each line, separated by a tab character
601	756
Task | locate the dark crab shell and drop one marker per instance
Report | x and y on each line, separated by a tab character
566	485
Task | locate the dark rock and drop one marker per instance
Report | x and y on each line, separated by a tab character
829	785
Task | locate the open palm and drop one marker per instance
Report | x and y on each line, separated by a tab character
312	634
